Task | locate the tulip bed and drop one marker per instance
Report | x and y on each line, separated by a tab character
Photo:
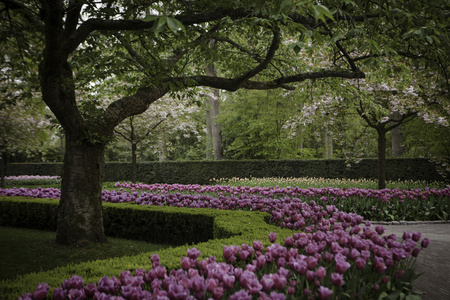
331	252
287	206
317	265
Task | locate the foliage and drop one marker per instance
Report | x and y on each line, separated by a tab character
253	124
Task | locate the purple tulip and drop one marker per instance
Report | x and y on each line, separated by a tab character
228	281
59	294
407	236
320	273
241	295
108	285
75	282
41	291
75	294
228	254
193	253
310	276
425	242
155	260
360	263
272	237
341	265
267	282
337	279
325	293
176	291
416	236
90	289
26	296
257	245
218	292
312	262
185	263
379	229
160	272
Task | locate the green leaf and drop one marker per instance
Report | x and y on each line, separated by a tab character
334	39
150	18
175	25
320	12
283	7
159	26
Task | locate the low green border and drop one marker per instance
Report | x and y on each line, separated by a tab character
229	228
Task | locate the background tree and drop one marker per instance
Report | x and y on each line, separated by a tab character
167	44
23	130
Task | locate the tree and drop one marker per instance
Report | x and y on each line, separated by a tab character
166	45
254	123
22	129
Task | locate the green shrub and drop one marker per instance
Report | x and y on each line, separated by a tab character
215	228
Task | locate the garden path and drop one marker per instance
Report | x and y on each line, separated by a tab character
434	261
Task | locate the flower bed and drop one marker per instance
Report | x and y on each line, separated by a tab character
287	205
337	254
320	265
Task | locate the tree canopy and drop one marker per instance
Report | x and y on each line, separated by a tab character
161	47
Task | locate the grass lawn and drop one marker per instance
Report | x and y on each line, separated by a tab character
24	251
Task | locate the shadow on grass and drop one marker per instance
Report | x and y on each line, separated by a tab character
25	251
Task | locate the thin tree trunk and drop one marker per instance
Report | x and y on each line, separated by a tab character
216	129
381	159
162	148
396	137
2	169
133	162
209	138
328	146
80	216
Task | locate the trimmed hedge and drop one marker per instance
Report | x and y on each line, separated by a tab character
228	228
201	172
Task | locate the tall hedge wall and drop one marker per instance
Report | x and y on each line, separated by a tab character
200	172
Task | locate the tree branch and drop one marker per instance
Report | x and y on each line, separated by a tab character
263	65
85	29
233	85
24	10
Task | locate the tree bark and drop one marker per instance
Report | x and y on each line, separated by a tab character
381	159
80	215
396	137
216	128
328	146
2	169
214	111
133	161
162	148
209	140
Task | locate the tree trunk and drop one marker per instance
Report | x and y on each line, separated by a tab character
133	162
216	128
162	148
2	169
209	140
80	216
381	159
328	146
397	138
